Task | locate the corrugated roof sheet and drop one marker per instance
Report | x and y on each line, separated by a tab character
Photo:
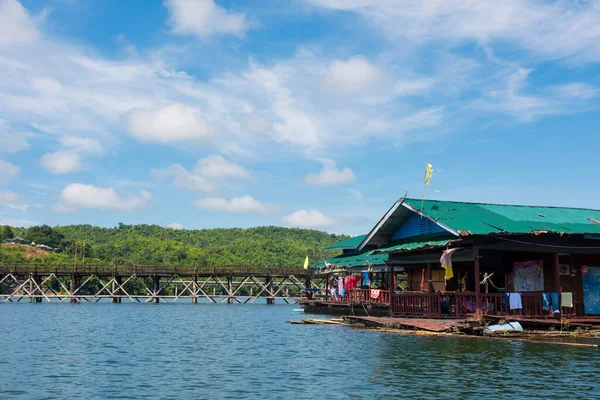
484	219
355	260
351	243
409	245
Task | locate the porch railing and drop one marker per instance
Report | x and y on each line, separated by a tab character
493	304
417	304
378	296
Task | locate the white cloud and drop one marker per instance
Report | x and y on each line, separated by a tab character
12	141
9	171
413	87
308	219
203	18
82	145
515	97
330	175
354	76
175	225
183	179
576	90
208	172
13	200
16	28
172	123
548	29
80	196
61	162
356	193
22	223
215	166
244	204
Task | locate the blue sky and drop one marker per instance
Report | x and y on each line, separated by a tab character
307	113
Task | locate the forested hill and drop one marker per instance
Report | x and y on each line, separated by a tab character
153	244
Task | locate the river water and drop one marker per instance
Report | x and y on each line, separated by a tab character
203	351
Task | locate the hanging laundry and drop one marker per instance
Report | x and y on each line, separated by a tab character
340	286
550	298
514	301
566	299
446	261
375	293
365	277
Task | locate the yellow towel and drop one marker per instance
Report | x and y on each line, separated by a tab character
449	274
566	299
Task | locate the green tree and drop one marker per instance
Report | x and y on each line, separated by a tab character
43	234
6	233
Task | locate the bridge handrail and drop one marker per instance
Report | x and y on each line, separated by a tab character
145	269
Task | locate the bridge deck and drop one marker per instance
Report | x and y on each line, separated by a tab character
155	283
150	270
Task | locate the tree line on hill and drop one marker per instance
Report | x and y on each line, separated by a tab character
154	244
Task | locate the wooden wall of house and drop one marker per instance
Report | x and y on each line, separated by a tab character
415	276
570	281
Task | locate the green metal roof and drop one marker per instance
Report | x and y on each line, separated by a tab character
482	219
355	260
412	244
351	243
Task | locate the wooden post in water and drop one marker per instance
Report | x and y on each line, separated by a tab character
194	294
31	288
115	298
38	281
73	287
229	289
270	299
155	289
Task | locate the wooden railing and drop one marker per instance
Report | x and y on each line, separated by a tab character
417	304
378	296
182	270
494	304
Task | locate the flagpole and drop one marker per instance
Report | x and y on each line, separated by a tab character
423	196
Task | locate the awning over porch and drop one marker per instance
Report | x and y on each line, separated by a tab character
367	259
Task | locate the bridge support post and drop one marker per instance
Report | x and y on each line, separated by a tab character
155	289
38	281
116	290
31	288
270	299
195	291
229	289
73	285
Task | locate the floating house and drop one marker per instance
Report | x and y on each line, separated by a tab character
498	260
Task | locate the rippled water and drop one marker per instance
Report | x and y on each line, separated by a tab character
98	351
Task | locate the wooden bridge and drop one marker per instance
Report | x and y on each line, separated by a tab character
151	283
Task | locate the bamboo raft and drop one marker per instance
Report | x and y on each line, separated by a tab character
458	328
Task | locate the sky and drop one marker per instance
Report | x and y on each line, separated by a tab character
302	113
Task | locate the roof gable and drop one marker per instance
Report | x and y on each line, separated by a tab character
484	219
349	244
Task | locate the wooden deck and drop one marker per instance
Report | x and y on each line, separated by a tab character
429	324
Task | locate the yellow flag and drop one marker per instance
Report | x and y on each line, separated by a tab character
428	173
306	263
